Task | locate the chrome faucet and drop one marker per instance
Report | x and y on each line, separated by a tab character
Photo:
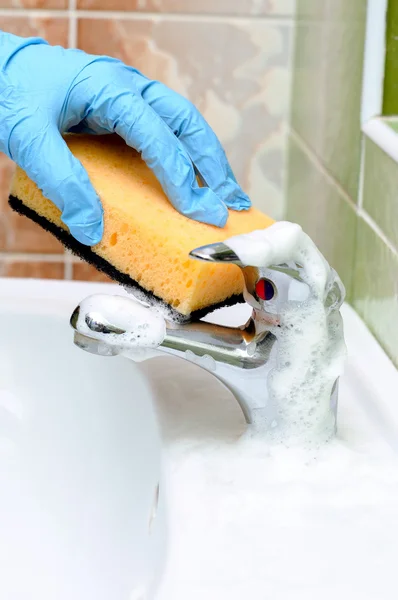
240	357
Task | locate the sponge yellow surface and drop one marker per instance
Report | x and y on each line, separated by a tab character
144	236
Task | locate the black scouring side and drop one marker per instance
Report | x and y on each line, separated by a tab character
86	253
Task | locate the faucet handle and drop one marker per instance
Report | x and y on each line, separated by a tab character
218	252
279	263
263	289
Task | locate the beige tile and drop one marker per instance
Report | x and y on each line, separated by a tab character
376	287
58	4
54	30
18	233
236	74
36	270
320	208
327	83
85	272
6	171
234	7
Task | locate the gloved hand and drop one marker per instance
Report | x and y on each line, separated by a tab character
46	90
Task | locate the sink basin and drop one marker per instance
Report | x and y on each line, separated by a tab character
81	497
133	482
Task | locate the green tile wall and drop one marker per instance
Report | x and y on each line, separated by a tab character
390	93
376	287
323	211
327	83
380	190
355	226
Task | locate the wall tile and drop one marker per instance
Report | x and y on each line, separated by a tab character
17	233
329	9
37	270
234	7
58	4
319	207
380	189
376	287
6	170
310	9
84	272
53	29
327	82
236	74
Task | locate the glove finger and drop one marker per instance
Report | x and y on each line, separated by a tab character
200	141
130	117
39	149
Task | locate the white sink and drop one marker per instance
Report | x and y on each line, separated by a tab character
81	461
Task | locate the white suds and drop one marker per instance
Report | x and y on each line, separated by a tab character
123	323
170	314
310	350
283	242
254	520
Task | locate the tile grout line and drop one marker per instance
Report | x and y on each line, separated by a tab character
20	13
361	181
72	43
34	257
68	266
167	16
377	230
142	16
359	210
322	169
72	37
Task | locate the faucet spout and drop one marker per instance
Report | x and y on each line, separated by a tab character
240	347
239	357
235	356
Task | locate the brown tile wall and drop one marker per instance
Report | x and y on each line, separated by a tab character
230	57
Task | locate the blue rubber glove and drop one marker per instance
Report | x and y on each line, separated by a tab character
47	90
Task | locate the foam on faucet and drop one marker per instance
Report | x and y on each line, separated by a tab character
283	242
310	351
141	329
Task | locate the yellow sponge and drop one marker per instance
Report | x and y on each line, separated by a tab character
146	241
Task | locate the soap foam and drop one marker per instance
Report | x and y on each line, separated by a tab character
255	520
142	329
310	351
158	305
281	243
